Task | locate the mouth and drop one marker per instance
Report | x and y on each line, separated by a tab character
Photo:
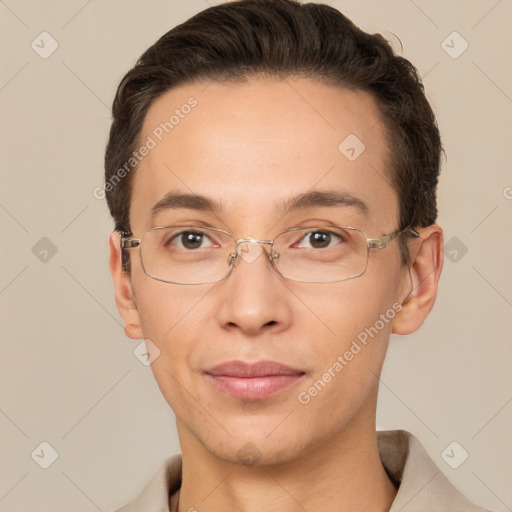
255	381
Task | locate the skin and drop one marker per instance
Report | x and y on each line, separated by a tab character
252	146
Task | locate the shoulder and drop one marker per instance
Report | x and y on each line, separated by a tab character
422	486
155	494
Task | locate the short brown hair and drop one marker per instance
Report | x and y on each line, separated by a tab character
280	38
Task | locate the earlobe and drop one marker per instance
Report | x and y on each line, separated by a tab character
424	273
125	299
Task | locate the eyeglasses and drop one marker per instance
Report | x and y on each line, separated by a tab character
200	255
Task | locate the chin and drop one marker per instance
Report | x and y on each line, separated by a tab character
255	450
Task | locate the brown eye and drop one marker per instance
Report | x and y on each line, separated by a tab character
319	240
189	240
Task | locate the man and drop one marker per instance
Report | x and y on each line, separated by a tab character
271	171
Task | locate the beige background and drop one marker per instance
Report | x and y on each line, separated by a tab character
68	375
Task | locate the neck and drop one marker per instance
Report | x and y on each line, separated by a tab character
341	473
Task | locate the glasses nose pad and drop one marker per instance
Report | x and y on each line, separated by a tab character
249	251
273	255
232	259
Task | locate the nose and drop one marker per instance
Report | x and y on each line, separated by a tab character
253	297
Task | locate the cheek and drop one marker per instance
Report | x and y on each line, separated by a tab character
163	307
174	319
348	307
349	352
353	322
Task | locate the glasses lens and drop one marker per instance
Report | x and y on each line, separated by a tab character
186	254
322	255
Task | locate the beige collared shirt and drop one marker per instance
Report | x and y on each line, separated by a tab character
422	487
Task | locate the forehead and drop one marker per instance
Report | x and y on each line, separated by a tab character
252	146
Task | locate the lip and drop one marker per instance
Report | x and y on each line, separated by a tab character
255	381
258	369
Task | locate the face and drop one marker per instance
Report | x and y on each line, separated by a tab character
251	148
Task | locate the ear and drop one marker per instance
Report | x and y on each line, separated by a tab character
427	258
123	290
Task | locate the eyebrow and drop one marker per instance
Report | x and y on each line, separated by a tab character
308	200
327	198
176	200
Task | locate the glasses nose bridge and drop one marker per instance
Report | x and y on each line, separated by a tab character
251	240
250	255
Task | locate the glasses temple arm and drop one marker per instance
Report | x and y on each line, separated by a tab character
379	243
